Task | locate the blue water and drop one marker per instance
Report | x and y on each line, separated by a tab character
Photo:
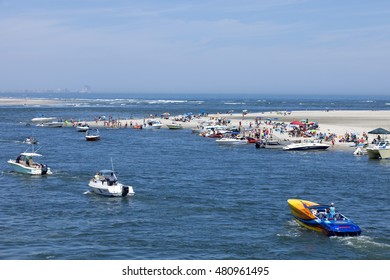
194	199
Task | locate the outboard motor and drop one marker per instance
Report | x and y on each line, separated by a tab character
125	191
44	169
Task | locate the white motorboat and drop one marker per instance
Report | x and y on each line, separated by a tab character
25	164
106	183
174	126
232	141
82	127
306	146
30	140
92	135
152	125
380	150
43	119
51	124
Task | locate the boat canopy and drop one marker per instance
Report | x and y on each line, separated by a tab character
106	172
31	154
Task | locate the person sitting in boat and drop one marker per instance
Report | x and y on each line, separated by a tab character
18	159
111	180
99	177
332	210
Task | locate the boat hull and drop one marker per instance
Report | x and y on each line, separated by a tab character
114	190
306	147
313	216
38	169
92	138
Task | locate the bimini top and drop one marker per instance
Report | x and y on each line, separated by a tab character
31	154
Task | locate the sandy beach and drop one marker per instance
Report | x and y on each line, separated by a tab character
337	122
5	101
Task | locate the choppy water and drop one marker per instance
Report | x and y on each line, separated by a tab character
194	199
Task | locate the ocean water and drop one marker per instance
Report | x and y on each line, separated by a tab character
193	199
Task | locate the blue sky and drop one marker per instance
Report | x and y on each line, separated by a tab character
214	46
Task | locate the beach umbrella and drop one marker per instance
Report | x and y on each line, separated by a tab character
379	131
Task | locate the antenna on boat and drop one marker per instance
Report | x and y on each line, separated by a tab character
112	165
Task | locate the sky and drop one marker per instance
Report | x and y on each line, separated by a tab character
203	46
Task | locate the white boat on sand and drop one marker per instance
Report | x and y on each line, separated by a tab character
25	164
306	146
43	119
232	141
106	183
174	126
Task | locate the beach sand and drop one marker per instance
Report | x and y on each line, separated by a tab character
5	101
333	121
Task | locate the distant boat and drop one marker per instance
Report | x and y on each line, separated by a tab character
82	127
174	126
152	125
270	144
315	217
381	150
25	164
106	183
51	124
306	146
92	135
30	140
232	141
43	119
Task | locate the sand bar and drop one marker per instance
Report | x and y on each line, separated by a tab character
333	121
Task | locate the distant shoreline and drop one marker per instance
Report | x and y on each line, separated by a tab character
339	122
10	101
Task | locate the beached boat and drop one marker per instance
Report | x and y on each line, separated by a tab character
106	183
92	134
232	141
380	150
51	124
82	127
25	164
306	146
43	119
174	126
315	217
269	144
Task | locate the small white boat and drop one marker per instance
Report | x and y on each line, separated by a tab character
232	141
152	125
51	124
380	150
106	183
92	135
174	126
306	146
25	164
82	127
43	119
30	140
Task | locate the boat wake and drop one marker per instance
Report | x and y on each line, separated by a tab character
292	229
363	242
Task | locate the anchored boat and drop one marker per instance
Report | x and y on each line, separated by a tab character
316	217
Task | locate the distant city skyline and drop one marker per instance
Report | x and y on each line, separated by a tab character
187	47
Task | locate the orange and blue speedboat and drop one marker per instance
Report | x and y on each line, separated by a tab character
316	217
